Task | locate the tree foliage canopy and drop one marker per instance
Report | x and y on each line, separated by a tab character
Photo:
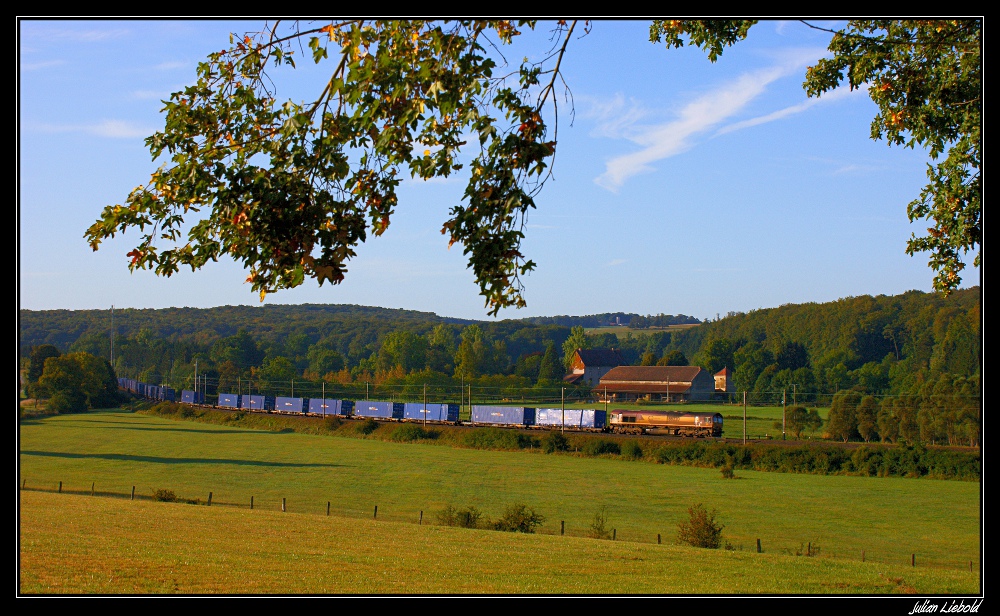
290	189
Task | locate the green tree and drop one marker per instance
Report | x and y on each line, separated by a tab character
674	357
550	369
291	189
867	414
77	381
577	340
842	421
36	366
718	354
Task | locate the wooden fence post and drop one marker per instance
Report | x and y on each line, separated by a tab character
657	538
562	527
60	487
614	534
133	494
758	546
328	508
809	548
420	522
251	503
24	483
282	504
862	556
92	488
913	560
375	517
209	499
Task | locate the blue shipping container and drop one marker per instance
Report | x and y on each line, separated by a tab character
504	415
290	405
167	393
434	412
192	397
330	406
575	418
378	410
229	401
257	402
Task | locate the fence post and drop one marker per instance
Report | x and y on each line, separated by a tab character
92	488
60	487
375	517
209	499
913	560
562	527
133	494
657	538
862	556
282	504
327	507
614	534
758	546
421	521
251	503
24	484
809	548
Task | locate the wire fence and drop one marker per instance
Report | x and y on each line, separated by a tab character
788	546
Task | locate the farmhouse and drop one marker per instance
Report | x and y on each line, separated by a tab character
724	381
589	365
667	383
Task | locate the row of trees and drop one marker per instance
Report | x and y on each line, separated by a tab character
945	411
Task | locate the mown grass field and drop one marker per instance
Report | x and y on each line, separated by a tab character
887	518
80	544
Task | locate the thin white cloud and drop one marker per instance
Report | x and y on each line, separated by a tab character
114	129
834	95
615	262
80	36
34	66
169	66
674	137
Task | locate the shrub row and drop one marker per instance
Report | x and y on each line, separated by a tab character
865	460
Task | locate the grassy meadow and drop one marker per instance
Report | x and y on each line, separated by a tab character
171	547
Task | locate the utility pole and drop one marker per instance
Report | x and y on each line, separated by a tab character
425	404
784	393
744	417
324	399
563	403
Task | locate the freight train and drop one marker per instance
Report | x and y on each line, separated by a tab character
617	420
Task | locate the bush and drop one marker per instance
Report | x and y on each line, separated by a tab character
727	472
332	422
166	496
368	426
599	526
495	438
631	450
409	432
187	411
67	401
555	441
701	529
469	517
598	446
519	518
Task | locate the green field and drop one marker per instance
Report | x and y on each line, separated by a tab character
623	331
840	517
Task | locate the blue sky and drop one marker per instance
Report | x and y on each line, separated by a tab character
679	186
